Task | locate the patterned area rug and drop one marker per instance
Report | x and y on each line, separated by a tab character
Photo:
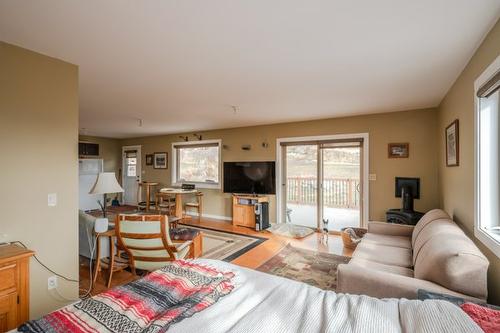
226	246
315	268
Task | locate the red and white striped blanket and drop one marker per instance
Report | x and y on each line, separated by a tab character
150	304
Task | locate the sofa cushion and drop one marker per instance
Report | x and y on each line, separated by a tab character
397	241
453	261
363	263
430	216
388	255
438	228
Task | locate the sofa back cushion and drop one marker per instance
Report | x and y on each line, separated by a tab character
435	214
438	228
452	260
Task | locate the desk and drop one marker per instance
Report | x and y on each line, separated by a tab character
178	199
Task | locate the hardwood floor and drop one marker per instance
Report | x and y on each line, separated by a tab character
251	259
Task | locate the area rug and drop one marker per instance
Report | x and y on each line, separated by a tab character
315	268
226	246
290	230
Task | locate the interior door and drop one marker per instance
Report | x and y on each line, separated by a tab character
300	186
131	174
341	184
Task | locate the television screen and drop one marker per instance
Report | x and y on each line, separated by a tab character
249	177
411	183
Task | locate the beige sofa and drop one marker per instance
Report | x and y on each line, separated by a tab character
394	260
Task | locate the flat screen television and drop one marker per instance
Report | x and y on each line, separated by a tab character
250	177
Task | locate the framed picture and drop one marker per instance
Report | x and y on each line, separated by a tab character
399	150
149	159
160	160
452	144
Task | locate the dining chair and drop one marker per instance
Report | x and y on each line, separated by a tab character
146	240
198	205
165	202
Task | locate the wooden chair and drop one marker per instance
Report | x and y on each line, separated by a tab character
146	240
165	202
198	205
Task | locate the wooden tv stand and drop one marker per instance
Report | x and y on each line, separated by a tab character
244	209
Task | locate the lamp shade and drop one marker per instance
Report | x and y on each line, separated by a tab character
106	183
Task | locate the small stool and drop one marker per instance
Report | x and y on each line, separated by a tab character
185	234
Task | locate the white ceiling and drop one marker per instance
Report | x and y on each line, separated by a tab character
179	65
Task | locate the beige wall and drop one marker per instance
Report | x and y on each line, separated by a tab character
456	184
416	127
38	141
109	151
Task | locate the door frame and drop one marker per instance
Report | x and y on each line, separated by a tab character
365	167
139	163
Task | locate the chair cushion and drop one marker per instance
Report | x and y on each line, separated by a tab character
183	233
363	263
383	254
453	261
430	216
397	241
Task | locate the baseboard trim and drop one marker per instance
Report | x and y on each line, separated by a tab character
218	217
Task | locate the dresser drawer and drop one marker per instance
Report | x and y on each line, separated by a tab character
8	277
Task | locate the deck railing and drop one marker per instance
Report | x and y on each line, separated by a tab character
337	192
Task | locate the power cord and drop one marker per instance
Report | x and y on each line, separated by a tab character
45	266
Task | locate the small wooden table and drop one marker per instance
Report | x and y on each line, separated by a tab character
178	200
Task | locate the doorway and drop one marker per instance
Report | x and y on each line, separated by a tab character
131	175
323	179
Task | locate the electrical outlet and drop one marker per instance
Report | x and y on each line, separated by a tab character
52	282
372	177
52	199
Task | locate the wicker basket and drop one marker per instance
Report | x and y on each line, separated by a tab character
346	239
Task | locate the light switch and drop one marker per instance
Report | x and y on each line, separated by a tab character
372	176
52	199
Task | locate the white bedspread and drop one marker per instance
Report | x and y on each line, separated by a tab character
266	303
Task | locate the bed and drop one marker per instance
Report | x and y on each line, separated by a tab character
261	302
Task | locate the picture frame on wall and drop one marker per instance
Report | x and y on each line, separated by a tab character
160	160
149	159
452	144
399	150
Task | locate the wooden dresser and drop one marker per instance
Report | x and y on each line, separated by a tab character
14	286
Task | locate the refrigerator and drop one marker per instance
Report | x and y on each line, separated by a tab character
88	169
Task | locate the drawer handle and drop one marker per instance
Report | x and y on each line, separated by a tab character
7	267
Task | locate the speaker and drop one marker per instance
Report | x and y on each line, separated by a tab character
101	225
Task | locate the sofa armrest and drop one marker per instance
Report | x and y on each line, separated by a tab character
391	229
353	279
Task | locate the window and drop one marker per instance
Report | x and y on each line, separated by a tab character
197	162
131	163
487	158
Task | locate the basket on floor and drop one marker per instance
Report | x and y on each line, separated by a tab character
346	238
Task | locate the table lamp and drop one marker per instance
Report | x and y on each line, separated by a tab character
105	183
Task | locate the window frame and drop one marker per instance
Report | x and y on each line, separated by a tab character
490	241
175	164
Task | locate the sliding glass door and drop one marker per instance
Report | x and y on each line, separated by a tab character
301	174
321	181
341	185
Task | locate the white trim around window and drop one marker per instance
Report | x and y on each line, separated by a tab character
175	181
489	239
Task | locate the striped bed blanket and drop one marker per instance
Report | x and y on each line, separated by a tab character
148	305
